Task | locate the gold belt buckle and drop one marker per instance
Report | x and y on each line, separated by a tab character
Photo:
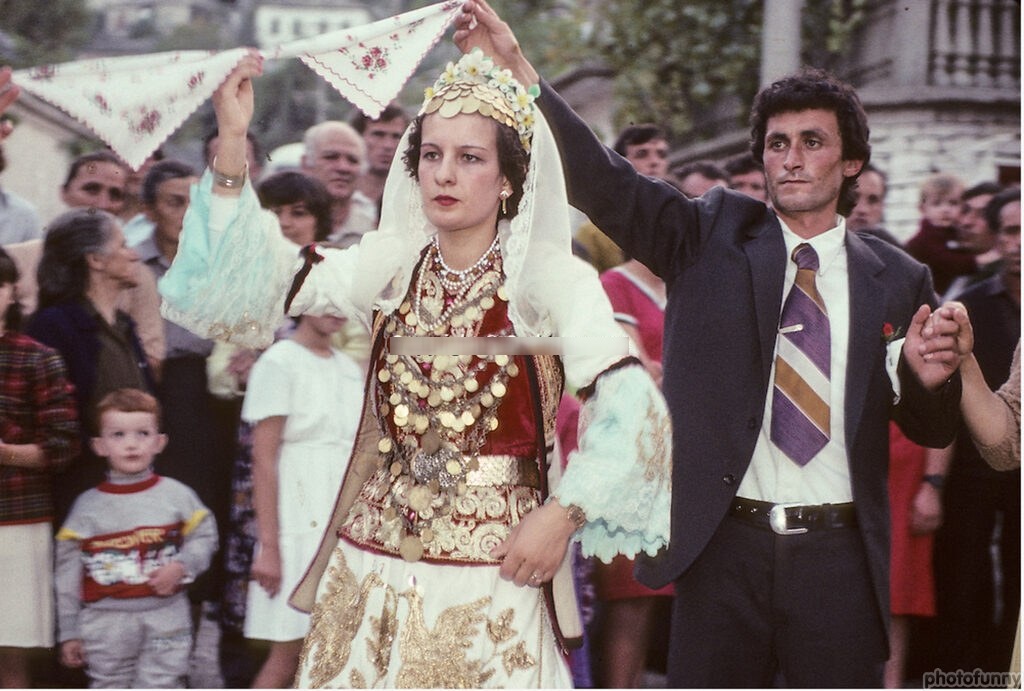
777	519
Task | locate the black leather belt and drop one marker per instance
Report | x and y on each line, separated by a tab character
793	519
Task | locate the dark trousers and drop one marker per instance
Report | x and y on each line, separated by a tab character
973	632
757	608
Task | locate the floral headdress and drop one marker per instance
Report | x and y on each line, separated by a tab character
476	85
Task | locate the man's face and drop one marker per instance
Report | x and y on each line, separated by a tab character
804	165
168	211
98	185
381	143
1008	238
337	162
649	158
870	207
751	184
971	228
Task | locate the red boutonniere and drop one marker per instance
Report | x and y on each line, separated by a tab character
889	334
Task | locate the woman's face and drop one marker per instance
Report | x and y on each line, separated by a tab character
460	178
118	261
297	223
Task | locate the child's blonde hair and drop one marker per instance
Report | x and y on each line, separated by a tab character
941	185
127	401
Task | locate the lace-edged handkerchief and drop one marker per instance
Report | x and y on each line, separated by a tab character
135	103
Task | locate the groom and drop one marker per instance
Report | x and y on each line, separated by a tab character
783	366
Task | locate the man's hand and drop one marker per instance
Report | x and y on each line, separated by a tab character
926	510
71	653
479	26
937	343
166	580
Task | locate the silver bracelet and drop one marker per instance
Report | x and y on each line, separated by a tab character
230	182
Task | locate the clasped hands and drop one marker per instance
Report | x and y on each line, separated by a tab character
937	343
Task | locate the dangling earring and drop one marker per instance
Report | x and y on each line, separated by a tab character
504	202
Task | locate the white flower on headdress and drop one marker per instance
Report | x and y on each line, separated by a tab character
502	79
449	75
523	99
476	65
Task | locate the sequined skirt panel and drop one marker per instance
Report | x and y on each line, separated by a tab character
465	528
382	622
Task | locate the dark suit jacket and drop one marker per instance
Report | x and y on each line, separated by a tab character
723	259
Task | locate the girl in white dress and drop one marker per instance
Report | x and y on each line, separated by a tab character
303	399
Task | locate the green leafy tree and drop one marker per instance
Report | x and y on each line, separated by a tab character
43	32
682	65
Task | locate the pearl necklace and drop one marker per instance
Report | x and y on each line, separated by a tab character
457	280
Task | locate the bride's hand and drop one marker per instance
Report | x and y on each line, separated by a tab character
233	100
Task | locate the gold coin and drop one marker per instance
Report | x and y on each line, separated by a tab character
394	399
493	424
447	394
391	359
401	410
487	302
431	441
472	314
398	368
471	384
450	109
385	445
411	548
446	418
467	418
411	319
498	389
441	362
453	467
434	399
419	498
406	377
389	514
383	376
427	535
396	469
501	360
404	309
486	400
502	295
458	425
512	369
421	423
457	320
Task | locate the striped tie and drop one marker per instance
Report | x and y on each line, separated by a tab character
800	400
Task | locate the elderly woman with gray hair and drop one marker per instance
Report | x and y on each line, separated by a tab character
85	268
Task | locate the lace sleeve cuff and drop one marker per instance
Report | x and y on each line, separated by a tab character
232	270
621	473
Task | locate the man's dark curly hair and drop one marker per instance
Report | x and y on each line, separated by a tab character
816	89
513	160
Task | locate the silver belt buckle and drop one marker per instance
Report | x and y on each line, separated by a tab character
777	520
